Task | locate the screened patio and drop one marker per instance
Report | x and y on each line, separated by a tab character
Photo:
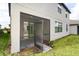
34	31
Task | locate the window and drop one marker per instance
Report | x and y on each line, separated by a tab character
66	27
58	27
59	10
66	15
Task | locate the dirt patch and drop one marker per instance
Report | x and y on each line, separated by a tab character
23	52
29	51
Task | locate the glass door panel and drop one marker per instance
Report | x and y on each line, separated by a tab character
28	30
26	35
31	30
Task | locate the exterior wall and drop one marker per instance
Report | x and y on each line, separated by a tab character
73	29
47	10
61	18
15	29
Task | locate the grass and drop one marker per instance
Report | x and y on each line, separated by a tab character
4	42
66	46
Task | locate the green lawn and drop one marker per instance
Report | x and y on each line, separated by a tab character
4	42
67	46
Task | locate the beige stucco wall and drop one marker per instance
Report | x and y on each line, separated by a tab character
45	10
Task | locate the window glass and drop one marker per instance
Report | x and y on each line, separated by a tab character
66	27
66	15
59	10
58	26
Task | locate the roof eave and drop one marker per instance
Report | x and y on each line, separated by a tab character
64	7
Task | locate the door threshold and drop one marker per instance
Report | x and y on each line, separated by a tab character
46	48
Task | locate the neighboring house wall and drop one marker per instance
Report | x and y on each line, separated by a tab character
47	10
73	29
74	26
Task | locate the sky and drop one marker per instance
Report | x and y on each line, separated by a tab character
74	8
5	20
4	16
